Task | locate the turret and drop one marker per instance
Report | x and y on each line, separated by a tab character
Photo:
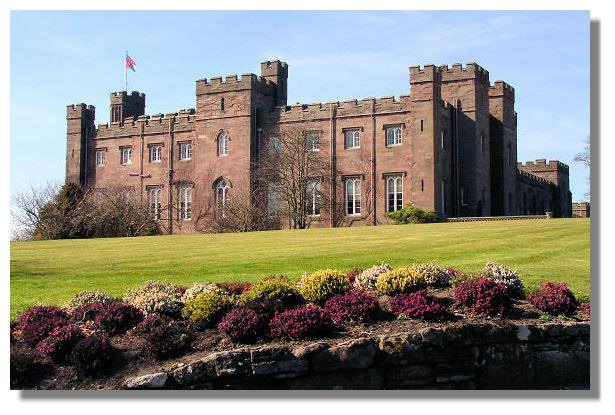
79	128
277	72
124	106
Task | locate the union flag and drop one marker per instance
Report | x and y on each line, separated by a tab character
130	63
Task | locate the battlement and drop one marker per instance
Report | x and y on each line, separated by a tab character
273	65
80	110
501	89
429	73
533	177
233	83
543	165
120	94
155	123
458	72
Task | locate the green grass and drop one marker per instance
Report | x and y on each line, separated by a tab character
50	272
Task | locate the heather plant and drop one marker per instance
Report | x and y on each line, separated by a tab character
197	289
235	287
87	297
168	340
60	342
307	322
206	308
323	284
275	294
156	297
554	298
27	367
584	308
243	324
502	275
400	280
352	274
484	297
87	312
418	305
354	306
432	275
150	322
366	280
93	355
117	318
38	322
456	276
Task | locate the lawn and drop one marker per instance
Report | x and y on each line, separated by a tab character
50	272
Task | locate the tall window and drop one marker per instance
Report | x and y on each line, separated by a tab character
393	136
185	151
155	153
352	139
274	145
100	157
464	197
126	155
312	204
185	203
312	141
394	193
222	104
222	144
443	140
353	196
222	196
155	207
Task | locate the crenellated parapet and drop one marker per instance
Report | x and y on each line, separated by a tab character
248	81
501	89
542	165
183	120
457	72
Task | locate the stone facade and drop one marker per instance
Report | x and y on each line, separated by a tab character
455	153
580	210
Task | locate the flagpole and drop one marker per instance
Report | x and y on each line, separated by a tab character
125	74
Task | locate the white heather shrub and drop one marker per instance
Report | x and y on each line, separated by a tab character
432	274
87	297
197	289
367	279
502	275
155	297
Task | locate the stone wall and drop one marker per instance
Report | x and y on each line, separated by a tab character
468	356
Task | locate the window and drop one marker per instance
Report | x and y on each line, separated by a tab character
222	144
155	207
393	136
312	141
222	104
464	197
155	153
185	151
353	196
100	157
185	203
222	196
482	143
421	125
126	155
312	205
273	199
274	145
352	139
422	185
394	193
443	140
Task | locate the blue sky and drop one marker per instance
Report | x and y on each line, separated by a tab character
59	58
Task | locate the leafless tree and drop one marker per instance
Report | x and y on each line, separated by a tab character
26	207
584	158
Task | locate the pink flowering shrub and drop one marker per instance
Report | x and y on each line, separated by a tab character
235	288
584	308
168	340
484	297
60	342
117	318
150	322
243	324
87	312
38	322
308	322
418	305
554	298
93	355
353	307
353	273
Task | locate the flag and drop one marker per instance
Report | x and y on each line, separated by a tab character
130	63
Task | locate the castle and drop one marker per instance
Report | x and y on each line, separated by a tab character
450	145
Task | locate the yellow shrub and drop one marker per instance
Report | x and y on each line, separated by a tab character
323	284
206	307
400	280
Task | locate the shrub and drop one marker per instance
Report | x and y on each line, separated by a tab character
456	276
206	308
27	368
243	324
352	274
418	305
400	280
93	355
197	289
37	313
554	298
412	214
308	322
366	280
275	294
38	322
484	297
432	274
323	284
156	297
353	307
150	322
584	308
235	288
87	312
502	275
168	340
60	342
118	318
87	297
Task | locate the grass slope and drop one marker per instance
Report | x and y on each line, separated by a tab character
50	272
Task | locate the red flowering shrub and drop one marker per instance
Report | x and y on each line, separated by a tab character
484	297
38	322
60	342
352	274
93	355
235	288
150	322
584	308
301	323
168	340
554	298
418	305
353	306
117	318
39	313
243	324
87	312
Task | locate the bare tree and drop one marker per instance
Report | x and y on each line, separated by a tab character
584	158
26	208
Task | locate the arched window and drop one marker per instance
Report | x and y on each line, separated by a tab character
222	196
222	144
394	193
353	196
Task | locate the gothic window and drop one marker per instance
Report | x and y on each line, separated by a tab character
394	193
393	136
312	141
155	206
222	196
222	144
353	196
155	153
185	151
126	155
313	198
352	139
100	157
185	203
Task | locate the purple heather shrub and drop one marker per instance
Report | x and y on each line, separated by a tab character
150	322
87	312
168	340
93	355
584	308
117	318
38	322
60	342
308	322
554	298
354	306
243	324
235	287
484	297
353	273
418	305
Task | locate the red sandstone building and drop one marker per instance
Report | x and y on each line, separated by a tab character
450	145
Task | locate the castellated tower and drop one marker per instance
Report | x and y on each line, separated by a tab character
277	72
79	129
123	106
557	173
